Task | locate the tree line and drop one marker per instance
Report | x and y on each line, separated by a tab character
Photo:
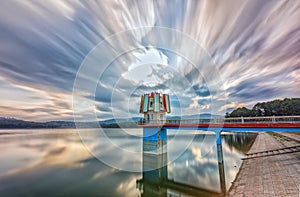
285	107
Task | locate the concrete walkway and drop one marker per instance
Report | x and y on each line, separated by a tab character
277	175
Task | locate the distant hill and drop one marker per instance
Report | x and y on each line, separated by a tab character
7	118
194	116
284	107
120	120
12	123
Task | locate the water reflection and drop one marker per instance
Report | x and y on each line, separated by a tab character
56	163
194	173
240	141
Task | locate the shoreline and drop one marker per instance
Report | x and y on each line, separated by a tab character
232	183
268	175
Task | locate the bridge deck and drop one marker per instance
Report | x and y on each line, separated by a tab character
291	122
227	125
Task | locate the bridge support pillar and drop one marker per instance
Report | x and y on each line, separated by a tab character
220	162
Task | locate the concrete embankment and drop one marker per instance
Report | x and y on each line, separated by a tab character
270	173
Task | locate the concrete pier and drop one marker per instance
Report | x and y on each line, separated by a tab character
272	175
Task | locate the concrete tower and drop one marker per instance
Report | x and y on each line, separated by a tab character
154	106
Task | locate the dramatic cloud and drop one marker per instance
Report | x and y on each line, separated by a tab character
220	55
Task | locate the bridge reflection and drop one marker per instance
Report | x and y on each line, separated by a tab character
155	181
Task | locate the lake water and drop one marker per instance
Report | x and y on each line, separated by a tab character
55	162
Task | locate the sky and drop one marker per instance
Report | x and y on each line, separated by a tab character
94	59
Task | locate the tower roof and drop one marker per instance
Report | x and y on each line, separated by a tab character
155	102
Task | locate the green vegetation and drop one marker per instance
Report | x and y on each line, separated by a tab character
285	107
279	137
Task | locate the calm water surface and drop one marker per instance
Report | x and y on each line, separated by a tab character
53	162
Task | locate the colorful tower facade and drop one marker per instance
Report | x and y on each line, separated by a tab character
154	106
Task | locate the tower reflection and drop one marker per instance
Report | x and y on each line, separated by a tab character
155	180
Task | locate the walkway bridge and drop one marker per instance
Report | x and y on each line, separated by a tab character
239	124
